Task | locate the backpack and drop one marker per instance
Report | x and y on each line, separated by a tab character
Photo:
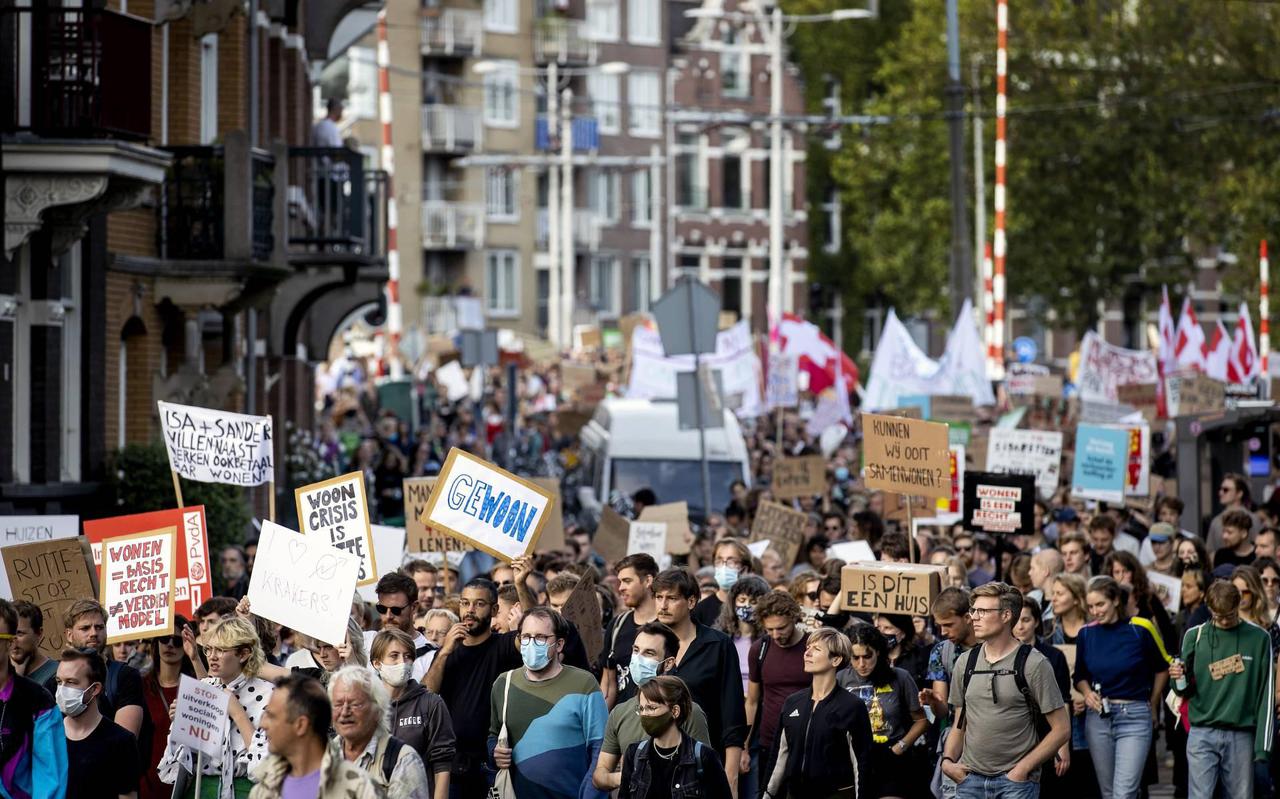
617	628
1019	673
390	756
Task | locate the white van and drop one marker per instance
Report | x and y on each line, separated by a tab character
632	444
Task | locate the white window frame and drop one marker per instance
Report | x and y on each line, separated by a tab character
834	229
495	304
501	194
736	59
641	278
607	299
603	20
607	195
502	16
605	92
644	22
641	199
504	78
72	368
644	105
208	88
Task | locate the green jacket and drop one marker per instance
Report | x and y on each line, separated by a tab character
1237	701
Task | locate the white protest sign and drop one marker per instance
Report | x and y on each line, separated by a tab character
217	446
303	583
1167	589
782	381
488	507
29	530
1034	452
338	510
388	549
1105	367
851	552
653	374
758	548
136	585
649	538
200	718
454	381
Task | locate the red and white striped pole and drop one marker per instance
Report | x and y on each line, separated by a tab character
1264	314
997	282
988	313
389	166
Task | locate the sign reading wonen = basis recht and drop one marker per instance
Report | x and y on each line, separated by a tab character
488	507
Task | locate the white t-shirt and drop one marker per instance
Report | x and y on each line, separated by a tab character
325	133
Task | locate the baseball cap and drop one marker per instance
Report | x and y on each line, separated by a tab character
1161	532
1067	514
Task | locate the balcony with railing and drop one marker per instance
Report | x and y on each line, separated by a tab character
586	228
562	40
451	129
586	134
452	226
75	72
337	209
455	32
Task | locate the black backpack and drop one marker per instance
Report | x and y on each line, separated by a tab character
1019	673
390	756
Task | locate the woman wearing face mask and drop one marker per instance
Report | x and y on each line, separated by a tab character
906	651
732	561
235	657
737	618
893	704
669	764
418	716
160	689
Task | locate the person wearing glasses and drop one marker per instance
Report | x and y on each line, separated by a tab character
418	717
553	716
1233	495
361	707
668	763
235	657
396	597
435	624
732	560
160	687
833	526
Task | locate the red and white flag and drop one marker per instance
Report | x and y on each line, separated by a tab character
1243	364
1189	344
1215	359
1167	359
816	354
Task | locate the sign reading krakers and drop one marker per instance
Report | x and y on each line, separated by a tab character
339	510
192	583
136	585
906	456
217	446
303	583
488	507
999	503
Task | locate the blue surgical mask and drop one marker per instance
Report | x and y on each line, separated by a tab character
842	473
536	656
643	669
745	613
726	577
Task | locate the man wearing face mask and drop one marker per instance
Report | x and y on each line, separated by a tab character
553	716
101	755
653	653
732	561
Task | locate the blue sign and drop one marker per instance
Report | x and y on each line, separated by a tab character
1102	454
1024	349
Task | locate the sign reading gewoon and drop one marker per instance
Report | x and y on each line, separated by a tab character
999	503
489	508
136	585
782	527
216	446
805	476
338	510
193	583
1034	452
303	583
200	717
877	587
906	456
51	575
421	539
1101	463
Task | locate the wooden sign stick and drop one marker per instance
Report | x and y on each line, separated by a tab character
911	533
271	500
177	488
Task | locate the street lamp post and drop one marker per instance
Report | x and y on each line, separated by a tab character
553	214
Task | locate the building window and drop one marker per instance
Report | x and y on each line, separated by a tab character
644	100
606	194
731	284
501	268
735	184
688	265
603	91
501	187
644	21
641	199
502	16
832	210
604	284
690	191
208	88
735	65
602	20
502	95
640	277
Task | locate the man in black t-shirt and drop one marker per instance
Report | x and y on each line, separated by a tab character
635	583
101	755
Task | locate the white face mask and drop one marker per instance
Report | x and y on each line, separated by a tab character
71	700
395	674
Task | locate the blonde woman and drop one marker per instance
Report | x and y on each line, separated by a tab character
235	658
1070	609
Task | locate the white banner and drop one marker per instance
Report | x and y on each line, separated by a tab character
303	583
488	507
899	367
782	381
217	446
1105	367
653	374
1034	452
200	718
338	510
649	538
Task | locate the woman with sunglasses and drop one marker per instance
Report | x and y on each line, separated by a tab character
160	689
669	763
1270	571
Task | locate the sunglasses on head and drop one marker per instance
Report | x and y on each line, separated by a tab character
392	609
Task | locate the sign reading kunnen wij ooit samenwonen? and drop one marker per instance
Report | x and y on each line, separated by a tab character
216	446
488	507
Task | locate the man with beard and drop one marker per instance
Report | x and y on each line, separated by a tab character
122	700
24	653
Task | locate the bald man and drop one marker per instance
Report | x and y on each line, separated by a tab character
1045	565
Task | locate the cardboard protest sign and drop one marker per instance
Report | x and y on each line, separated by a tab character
898	506
200	718
574	377
676	516
1141	396
906	456
781	526
1019	378
1105	367
216	446
193	580
51	575
338	510
421	538
303	583
583	611
389	550
553	534
1034	452
1167	589
569	422
782	381
29	530
908	588
489	508
908	412
1101	463
613	536
805	476
952	408
136	585
647	537
1195	393
999	503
